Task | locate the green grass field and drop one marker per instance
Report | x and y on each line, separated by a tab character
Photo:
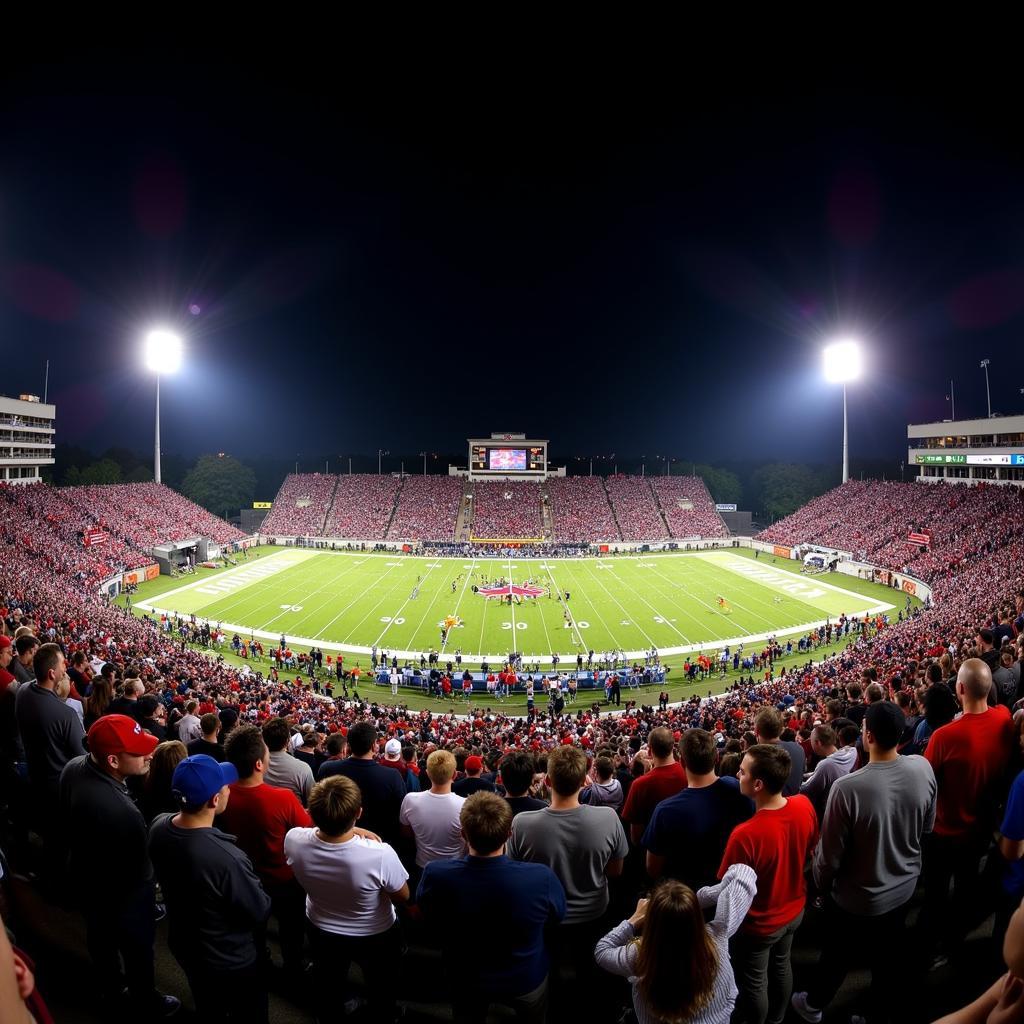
354	601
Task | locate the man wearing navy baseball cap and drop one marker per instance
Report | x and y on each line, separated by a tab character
214	899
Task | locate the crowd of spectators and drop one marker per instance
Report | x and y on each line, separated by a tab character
363	506
301	505
148	514
687	506
580	512
636	508
509	510
873	520
428	507
710	801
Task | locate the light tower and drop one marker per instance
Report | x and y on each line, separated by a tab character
163	356
843	364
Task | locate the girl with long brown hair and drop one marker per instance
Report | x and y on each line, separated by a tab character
678	965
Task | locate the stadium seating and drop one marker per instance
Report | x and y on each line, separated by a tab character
301	505
580	509
363	506
636	508
507	510
687	506
427	508
873	520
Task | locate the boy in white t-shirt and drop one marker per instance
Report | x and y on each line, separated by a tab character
432	817
352	885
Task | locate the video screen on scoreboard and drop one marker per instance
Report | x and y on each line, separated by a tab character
513	459
503	459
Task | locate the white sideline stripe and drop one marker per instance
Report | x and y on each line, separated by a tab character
233	579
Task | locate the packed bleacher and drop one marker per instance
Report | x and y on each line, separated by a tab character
148	514
687	506
636	508
427	508
507	510
797	806
580	511
874	520
363	506
301	505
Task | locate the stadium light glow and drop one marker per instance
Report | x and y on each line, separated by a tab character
843	364
162	354
843	361
163	351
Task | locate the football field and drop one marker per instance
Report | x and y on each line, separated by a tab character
354	602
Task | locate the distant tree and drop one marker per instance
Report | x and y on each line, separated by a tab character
105	471
781	488
72	476
220	484
725	487
139	475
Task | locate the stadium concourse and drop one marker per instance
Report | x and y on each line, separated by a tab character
825	865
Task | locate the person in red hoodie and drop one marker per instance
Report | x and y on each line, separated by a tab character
969	757
777	843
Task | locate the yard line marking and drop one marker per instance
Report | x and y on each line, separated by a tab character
597	579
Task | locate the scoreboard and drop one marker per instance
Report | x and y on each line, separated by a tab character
508	456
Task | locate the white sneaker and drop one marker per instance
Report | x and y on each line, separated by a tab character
804	1010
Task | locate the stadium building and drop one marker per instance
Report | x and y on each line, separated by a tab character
26	438
968	451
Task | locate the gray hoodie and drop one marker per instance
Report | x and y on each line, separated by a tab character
603	794
819	782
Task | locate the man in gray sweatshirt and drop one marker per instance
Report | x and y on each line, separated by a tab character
834	764
868	861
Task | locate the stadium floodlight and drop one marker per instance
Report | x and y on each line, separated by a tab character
162	355
843	364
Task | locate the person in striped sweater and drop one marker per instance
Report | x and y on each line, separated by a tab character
667	935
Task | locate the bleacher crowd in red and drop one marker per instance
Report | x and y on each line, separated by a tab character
365	506
826	809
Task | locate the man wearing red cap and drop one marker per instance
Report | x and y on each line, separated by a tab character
473	781
106	827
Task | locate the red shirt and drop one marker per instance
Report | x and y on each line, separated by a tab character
259	817
776	844
969	758
649	790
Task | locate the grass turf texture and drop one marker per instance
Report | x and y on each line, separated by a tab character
398	603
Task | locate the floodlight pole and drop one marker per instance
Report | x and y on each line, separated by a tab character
846	441
988	394
156	435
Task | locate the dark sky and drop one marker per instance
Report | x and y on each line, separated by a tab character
616	269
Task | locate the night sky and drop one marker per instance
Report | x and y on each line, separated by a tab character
620	271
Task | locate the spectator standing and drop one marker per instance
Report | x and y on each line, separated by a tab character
688	832
834	763
52	735
353	884
969	757
776	842
584	846
469	894
867	865
381	788
105	827
679	967
190	727
259	816
473	782
665	779
215	903
605	790
517	771
209	739
768	729
284	770
431	817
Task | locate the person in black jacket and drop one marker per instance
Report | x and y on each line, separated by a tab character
215	903
106	827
